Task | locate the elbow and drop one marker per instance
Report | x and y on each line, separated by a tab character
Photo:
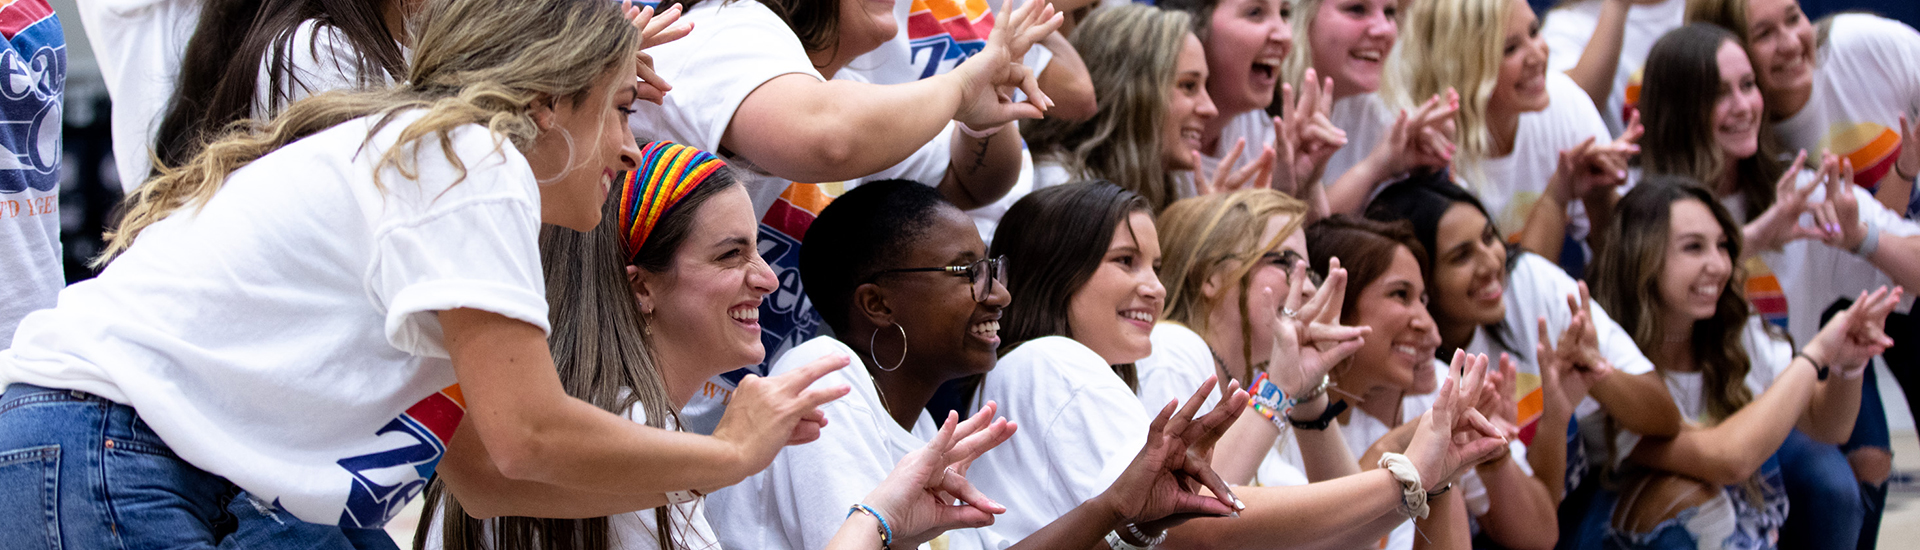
1074	104
1732	470
518	458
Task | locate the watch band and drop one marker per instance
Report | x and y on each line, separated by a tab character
1326	417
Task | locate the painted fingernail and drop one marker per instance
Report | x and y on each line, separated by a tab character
1238	505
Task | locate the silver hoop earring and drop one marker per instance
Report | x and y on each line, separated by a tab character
903	350
568	138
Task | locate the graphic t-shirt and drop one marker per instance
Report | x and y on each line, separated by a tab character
1865	76
1568	28
285	336
30	106
1790	287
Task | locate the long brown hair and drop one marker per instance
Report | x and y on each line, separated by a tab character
1366	249
604	353
237	42
1132	52
1677	109
1201	235
1046	265
1625	279
483	62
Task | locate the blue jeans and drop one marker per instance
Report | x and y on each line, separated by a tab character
79	471
1827	505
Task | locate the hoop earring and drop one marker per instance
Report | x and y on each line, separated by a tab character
903	350
568	138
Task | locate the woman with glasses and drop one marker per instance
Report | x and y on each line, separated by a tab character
917	309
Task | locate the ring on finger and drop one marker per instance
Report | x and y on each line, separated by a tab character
1289	312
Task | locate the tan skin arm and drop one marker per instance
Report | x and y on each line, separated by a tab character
1066	80
1598	63
1732	451
1445	526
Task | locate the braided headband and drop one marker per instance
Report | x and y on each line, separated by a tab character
668	172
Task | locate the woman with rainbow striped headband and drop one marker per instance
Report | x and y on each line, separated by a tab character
308	318
646	309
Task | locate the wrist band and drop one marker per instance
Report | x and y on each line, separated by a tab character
1413	496
1316	392
1869	244
1858	373
1443	490
1326	417
1270	401
1819	371
978	134
886	532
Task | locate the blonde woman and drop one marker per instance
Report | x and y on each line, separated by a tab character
1347	42
1528	141
1153	107
296	323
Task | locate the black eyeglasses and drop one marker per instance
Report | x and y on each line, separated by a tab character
981	274
1286	259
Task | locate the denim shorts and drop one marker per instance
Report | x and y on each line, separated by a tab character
79	471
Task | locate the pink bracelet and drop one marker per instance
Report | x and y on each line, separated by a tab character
978	134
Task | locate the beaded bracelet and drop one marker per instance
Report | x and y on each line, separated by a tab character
886	531
1270	401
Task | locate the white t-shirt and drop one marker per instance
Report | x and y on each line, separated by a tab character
1769	356
800	501
1367	120
1180	362
1361	431
1538	288
1255	126
1812	275
1080	426
139	45
319	59
1569	27
286	336
1035	174
638	530
1866	75
1509	185
30	176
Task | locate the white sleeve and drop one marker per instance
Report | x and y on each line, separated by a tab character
1893	48
475	247
1890	223
1567	31
813	484
1094	438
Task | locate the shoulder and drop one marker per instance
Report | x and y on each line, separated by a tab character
1057	351
854	374
1570	107
1859	31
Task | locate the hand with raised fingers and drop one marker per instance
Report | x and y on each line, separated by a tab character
1780	223
1839	213
1580	342
1422	138
1308	337
767	414
1224	178
1304	134
1590	166
917	499
1855	335
1161	488
1453	437
989	78
655	29
1497	400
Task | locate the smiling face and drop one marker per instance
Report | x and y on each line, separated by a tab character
1469	272
1696	268
576	176
1246	42
1398	355
1113	313
943	322
1783	46
1351	39
1188	108
1521	86
707	305
1736	114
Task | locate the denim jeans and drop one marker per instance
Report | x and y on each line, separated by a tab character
1827	505
78	471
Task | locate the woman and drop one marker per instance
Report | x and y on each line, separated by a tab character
1233	259
1671	277
913	327
1089	302
383	192
1245	42
1530	143
1347	42
1816	83
1795	273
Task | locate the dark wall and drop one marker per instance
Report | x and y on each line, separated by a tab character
1905	10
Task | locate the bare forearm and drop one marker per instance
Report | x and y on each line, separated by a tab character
1241	450
806	130
1349	192
1066	81
1548	453
1639	403
982	170
1521	513
1307	514
1085	526
1546	226
1835	407
1324	453
1446	525
1736	447
484	493
1899	258
1598	63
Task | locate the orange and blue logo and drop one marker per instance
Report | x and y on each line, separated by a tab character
944	33
1872	148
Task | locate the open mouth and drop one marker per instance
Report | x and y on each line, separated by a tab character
1142	318
986	330
748	315
1266	70
1706	291
1489	292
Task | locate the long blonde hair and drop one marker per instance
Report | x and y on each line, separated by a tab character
475	62
1451	44
1293	69
1131	53
1200	235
